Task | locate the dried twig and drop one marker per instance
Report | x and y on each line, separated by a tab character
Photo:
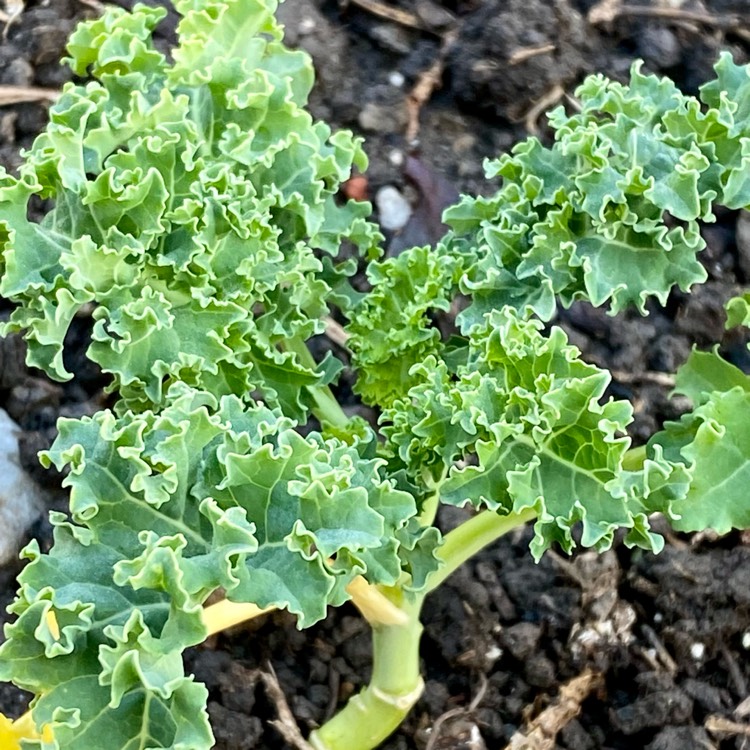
656	378
286	724
336	332
20	94
665	657
540	733
609	10
460	711
539	107
743	710
396	15
428	81
735	673
13	9
526	53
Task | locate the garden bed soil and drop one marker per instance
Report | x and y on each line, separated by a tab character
623	650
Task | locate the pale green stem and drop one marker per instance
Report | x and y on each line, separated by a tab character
327	408
432	502
634	458
471	536
396	685
375	713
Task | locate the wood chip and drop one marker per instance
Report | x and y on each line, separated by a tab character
95	5
721	726
603	12
540	733
663	379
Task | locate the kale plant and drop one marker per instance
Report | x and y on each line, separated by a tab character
192	203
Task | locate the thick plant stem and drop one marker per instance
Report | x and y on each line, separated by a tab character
375	713
327	408
471	536
634	458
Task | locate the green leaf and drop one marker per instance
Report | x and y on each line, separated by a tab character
193	203
707	372
166	508
589	217
391	330
713	444
738	311
521	424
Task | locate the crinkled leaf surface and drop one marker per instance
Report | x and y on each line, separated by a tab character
193	203
520	423
165	509
713	443
391	330
707	372
589	217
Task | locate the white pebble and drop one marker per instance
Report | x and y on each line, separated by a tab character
396	79
697	651
746	640
396	157
658	617
394	210
493	654
306	26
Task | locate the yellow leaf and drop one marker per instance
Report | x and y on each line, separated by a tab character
23	728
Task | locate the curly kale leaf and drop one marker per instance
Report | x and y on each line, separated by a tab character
192	203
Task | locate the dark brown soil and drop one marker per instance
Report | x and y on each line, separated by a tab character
671	633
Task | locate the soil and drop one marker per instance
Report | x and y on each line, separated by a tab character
656	647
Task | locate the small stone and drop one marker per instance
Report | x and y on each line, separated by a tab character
383	118
492	654
576	737
659	46
464	143
434	16
392	38
20	500
395	78
522	639
539	671
660	709
17	72
306	26
396	157
698	651
394	211
680	738
47	42
746	640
